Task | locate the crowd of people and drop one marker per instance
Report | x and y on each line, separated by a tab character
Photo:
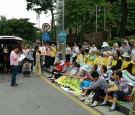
109	71
87	70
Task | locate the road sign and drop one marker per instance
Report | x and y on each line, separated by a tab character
45	36
45	26
62	36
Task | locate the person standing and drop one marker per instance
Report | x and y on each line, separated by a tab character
53	54
48	56
37	61
14	62
68	52
74	52
6	60
59	51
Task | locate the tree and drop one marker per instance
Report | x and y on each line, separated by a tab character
42	6
81	17
18	27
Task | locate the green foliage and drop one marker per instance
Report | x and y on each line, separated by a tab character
119	40
18	27
80	16
111	42
26	42
40	6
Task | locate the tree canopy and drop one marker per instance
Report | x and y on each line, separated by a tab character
18	27
117	15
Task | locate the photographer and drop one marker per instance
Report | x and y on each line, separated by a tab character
26	68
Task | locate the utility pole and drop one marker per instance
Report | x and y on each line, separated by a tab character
63	27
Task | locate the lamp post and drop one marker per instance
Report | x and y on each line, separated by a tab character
63	27
97	19
63	19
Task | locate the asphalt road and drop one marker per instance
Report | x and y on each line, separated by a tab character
35	96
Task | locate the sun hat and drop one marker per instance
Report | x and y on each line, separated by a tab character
126	54
62	62
105	44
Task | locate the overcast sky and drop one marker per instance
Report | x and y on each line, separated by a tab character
17	9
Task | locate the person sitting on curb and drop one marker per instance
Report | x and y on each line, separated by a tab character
117	93
26	68
57	68
99	87
103	70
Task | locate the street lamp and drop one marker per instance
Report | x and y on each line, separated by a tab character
63	15
97	20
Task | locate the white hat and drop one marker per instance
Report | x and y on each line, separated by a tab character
83	68
126	54
62	62
105	44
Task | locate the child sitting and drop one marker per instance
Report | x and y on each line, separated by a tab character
26	68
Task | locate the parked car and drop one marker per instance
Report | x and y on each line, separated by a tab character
7	42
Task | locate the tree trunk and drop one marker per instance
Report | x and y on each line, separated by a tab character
123	18
52	22
70	36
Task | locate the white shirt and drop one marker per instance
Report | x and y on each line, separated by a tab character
68	50
133	52
75	51
25	52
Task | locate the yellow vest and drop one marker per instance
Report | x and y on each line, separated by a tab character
103	61
91	61
114	62
53	52
79	57
125	64
108	59
133	67
86	58
97	60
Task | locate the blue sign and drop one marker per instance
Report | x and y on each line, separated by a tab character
45	36
62	36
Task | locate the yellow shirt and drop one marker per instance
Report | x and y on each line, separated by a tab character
97	60
103	61
79	58
86	58
125	64
53	51
109	61
133	67
91	60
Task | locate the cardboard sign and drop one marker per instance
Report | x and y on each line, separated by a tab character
42	50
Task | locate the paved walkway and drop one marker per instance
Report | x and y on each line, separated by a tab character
35	96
